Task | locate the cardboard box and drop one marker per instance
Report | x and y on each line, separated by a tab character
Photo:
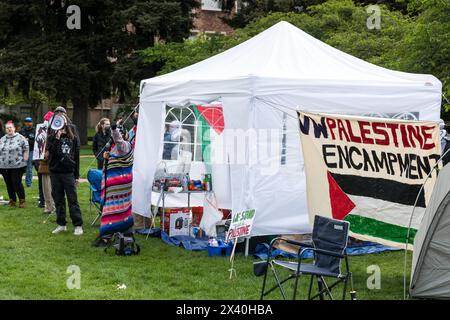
170	216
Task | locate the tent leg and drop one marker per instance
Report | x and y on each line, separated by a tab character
247	246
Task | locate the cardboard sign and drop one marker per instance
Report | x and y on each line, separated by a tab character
241	224
179	224
39	142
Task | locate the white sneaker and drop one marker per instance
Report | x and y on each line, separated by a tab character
78	231
59	229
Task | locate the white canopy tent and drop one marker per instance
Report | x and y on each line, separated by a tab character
260	84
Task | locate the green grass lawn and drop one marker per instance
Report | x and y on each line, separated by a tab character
35	262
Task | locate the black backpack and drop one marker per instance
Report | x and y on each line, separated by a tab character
124	244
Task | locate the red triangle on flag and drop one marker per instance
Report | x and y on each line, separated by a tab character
341	205
214	116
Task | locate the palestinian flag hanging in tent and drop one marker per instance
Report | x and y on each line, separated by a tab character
211	126
369	171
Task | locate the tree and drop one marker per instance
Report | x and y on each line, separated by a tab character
41	46
252	10
426	47
415	41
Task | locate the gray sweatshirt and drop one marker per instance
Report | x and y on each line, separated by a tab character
12	150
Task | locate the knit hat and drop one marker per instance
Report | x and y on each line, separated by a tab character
60	109
28	119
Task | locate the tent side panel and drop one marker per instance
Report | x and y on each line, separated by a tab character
432	274
146	154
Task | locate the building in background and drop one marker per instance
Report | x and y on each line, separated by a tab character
209	18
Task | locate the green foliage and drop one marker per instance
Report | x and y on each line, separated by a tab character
173	56
417	42
252	10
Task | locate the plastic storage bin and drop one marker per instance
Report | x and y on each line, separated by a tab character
222	250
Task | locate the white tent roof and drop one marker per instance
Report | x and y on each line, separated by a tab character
286	52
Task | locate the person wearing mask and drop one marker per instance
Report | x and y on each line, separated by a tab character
63	151
29	131
101	138
14	152
61	111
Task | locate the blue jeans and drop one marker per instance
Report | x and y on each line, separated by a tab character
29	173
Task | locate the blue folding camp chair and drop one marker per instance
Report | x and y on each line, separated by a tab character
329	243
95	177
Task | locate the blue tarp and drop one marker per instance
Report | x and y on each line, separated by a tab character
364	247
189	243
198	244
154	232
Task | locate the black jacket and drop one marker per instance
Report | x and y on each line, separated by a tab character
30	135
100	140
64	155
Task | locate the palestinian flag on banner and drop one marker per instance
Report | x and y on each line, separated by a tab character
211	125
370	172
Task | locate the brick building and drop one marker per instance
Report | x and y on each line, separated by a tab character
209	18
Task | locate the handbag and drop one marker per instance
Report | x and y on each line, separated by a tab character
43	167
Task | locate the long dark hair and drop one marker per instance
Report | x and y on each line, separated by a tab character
69	132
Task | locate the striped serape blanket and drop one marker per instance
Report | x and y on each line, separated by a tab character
116	194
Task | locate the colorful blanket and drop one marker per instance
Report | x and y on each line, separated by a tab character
116	194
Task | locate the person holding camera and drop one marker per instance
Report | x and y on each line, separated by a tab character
101	138
64	163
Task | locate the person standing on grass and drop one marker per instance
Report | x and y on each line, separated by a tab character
101	138
63	150
44	171
14	151
28	131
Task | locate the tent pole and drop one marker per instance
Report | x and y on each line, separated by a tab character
247	246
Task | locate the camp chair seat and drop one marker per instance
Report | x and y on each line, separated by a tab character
94	177
306	268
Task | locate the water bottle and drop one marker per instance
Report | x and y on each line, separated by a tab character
184	183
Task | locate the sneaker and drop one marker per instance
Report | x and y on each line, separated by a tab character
59	229
78	231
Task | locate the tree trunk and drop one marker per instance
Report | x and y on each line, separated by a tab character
80	117
35	112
